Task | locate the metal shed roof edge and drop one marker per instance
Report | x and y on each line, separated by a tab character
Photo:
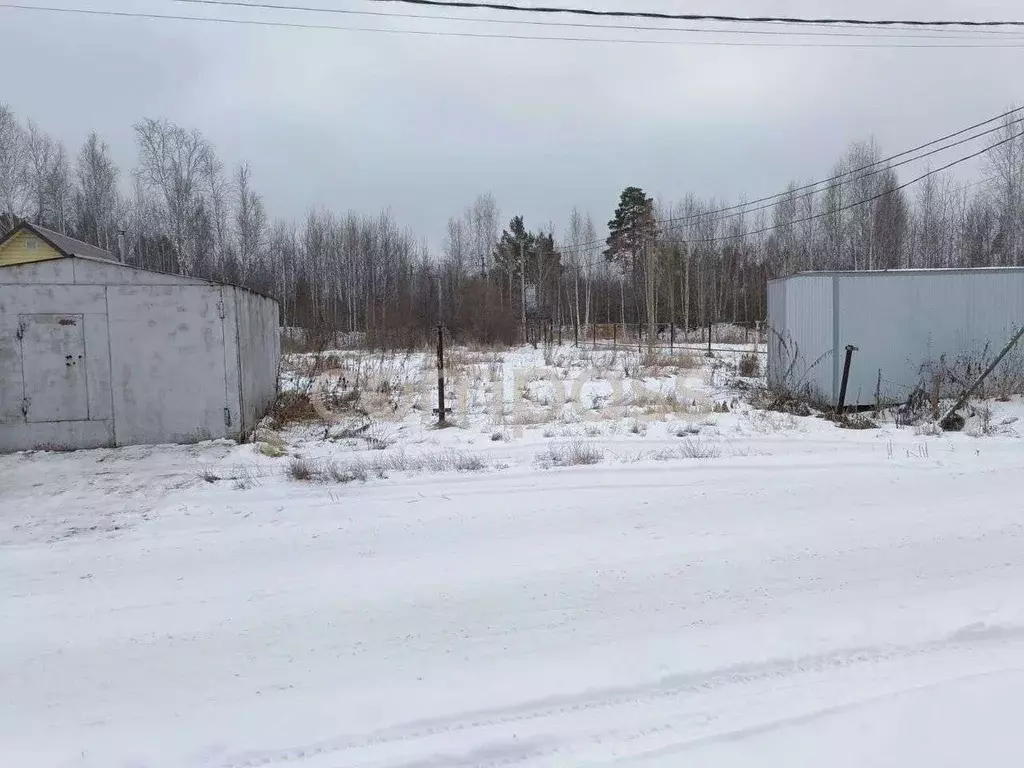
205	280
70	248
899	272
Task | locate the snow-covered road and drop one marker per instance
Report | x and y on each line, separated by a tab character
761	610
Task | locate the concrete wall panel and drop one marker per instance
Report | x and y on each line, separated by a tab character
259	353
55	272
232	375
51	299
167	348
62	435
97	355
12	390
90	272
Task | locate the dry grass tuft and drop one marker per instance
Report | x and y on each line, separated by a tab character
750	365
572	454
292	408
678	361
303	469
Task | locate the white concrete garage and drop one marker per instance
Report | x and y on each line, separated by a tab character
95	353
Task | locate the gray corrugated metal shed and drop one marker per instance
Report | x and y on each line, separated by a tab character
903	322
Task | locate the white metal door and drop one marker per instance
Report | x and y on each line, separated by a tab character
53	359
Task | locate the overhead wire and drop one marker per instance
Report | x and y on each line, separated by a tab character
919	34
859	203
716	17
807	190
742	209
495	36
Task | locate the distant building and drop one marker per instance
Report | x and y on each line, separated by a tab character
902	322
96	353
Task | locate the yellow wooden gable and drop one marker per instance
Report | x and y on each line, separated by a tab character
24	247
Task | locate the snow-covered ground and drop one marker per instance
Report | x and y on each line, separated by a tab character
800	596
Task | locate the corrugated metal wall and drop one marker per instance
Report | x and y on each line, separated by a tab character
801	338
95	354
901	322
904	321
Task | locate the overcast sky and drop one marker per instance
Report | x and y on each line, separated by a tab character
421	125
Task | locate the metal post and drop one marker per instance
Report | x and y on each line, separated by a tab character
593	332
850	349
440	376
672	337
978	382
615	336
640	338
710	353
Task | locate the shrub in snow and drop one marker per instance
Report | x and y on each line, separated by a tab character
686	430
854	421
569	455
696	449
302	469
750	365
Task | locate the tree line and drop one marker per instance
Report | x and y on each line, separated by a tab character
689	262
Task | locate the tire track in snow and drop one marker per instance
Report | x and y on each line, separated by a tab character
671	687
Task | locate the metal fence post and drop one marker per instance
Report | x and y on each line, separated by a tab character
850	349
440	375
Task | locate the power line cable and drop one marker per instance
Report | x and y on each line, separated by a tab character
812	189
859	203
953	34
743	208
841	209
491	36
492	6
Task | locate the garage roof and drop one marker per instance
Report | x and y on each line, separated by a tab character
66	246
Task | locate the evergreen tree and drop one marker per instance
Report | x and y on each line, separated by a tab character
516	243
633	226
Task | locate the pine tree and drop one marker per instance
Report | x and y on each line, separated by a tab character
510	257
631	231
633	226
